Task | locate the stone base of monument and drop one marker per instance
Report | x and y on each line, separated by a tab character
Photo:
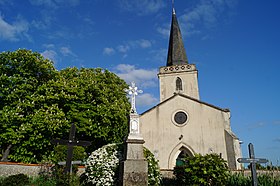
135	168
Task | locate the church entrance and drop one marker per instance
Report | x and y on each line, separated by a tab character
183	154
177	155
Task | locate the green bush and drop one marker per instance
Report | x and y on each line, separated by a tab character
202	170
43	181
238	180
102	166
16	180
267	180
168	182
61	153
263	180
154	175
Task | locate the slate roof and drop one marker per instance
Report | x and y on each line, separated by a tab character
176	51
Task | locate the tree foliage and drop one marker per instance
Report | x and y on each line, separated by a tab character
38	103
209	169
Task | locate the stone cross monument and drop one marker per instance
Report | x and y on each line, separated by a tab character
134	170
133	91
252	160
71	143
134	130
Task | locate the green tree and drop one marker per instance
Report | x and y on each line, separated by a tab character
93	99
38	103
209	169
21	73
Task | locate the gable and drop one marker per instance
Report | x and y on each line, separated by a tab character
190	99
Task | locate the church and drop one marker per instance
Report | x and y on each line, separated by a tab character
181	124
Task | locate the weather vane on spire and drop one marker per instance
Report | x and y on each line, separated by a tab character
133	92
173	9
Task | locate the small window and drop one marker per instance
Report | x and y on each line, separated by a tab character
178	84
180	118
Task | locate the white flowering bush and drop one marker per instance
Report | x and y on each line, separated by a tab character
102	166
154	176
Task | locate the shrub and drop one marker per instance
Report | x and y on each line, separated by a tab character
43	181
154	176
238	180
241	180
58	170
268	180
202	170
61	153
16	180
102	166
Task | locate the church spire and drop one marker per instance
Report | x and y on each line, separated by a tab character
176	51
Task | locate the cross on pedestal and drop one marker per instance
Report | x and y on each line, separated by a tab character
252	160
70	144
133	91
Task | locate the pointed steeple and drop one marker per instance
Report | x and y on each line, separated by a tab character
176	51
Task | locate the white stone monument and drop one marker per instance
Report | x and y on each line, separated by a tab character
134	167
134	128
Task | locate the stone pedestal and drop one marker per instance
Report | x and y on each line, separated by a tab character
135	167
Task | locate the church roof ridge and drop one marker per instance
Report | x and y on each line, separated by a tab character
176	50
188	97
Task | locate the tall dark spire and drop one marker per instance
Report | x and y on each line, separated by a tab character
176	51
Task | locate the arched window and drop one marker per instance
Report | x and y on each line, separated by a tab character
178	84
181	156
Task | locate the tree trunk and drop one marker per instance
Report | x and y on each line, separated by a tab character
6	153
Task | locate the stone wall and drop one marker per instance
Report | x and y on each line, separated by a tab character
9	168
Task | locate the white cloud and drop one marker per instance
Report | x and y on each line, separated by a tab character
54	3
123	48
44	21
125	67
164	30
15	30
160	55
277	122
6	2
66	51
143	43
127	46
142	77
108	51
146	100
50	45
50	54
207	13
142	7
204	15
48	3
257	125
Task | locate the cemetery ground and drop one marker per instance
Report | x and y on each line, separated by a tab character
267	176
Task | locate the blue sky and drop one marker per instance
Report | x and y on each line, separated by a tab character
234	44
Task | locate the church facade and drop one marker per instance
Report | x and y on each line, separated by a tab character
181	124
